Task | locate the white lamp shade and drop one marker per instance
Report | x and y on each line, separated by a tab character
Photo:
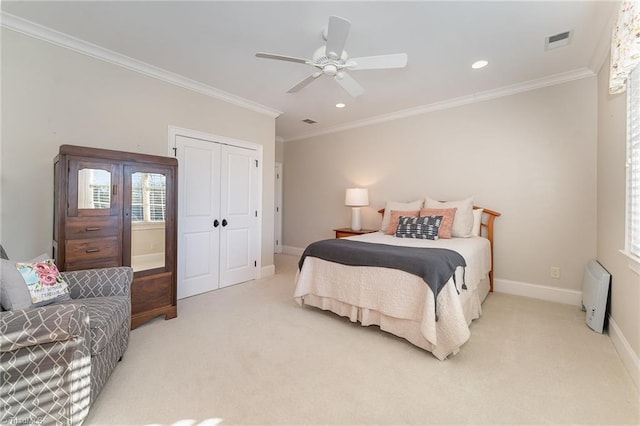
356	197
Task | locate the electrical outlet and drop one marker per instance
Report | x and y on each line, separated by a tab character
554	271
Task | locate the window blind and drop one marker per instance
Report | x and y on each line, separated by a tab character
633	162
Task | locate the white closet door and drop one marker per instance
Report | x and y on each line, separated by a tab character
238	206
199	208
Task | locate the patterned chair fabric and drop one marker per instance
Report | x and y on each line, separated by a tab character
55	360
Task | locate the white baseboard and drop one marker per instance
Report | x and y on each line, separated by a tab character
294	251
267	271
551	294
558	295
629	358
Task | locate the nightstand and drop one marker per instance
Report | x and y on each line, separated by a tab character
348	232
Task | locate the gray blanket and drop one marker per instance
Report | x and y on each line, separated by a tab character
434	265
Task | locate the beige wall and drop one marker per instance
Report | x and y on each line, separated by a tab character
279	151
53	96
531	156
625	284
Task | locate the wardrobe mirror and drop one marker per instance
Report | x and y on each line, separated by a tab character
148	209
94	189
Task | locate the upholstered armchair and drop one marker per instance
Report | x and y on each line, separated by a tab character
55	359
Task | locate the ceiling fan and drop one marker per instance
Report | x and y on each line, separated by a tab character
333	61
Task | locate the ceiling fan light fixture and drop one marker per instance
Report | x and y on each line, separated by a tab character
331	59
479	64
330	69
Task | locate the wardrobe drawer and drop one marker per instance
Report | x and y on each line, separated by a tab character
92	248
92	227
92	264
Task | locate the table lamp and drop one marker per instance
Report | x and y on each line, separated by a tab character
356	198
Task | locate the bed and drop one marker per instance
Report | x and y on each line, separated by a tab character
400	302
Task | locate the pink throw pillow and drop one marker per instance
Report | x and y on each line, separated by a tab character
447	219
395	218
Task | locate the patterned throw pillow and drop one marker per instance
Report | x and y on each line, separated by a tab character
26	285
395	217
423	227
43	281
447	219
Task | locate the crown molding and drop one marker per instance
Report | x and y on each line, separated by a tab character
456	102
603	47
66	41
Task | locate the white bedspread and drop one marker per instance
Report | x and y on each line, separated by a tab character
399	302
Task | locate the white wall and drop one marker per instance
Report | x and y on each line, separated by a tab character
53	96
530	156
625	283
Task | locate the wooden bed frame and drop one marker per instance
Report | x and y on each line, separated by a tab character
486	230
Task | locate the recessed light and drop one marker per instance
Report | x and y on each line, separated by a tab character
340	105
479	64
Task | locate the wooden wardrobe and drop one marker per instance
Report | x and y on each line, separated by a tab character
114	208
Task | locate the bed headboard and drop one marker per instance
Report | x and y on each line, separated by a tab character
486	230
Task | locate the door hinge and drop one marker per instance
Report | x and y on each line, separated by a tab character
175	151
256	213
255	263
256	163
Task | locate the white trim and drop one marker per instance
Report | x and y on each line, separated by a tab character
277	233
209	137
603	46
627	355
536	291
58	38
267	271
456	102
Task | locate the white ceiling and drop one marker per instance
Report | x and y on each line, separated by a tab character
214	43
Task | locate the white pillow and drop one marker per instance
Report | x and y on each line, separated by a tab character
477	222
394	205
462	221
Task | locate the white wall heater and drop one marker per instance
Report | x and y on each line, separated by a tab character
595	294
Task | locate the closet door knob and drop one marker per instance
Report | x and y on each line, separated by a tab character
216	223
224	222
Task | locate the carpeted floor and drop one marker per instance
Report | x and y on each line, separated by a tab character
248	354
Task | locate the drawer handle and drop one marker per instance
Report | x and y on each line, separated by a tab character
93	250
92	229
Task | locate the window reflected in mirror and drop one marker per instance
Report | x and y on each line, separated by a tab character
94	189
148	209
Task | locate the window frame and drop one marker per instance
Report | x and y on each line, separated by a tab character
632	175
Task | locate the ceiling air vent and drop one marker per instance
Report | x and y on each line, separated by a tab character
557	40
309	121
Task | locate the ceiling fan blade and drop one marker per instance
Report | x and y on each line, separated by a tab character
349	84
398	60
304	82
281	58
337	36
